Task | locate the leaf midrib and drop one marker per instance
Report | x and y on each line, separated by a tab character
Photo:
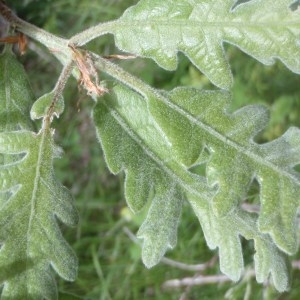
147	92
219	24
202	190
227	141
37	177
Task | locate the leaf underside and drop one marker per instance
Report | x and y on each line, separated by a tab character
137	138
264	29
31	200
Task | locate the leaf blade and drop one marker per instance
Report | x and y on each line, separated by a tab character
199	29
16	96
164	157
235	159
29	217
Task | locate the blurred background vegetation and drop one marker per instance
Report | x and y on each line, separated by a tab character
109	258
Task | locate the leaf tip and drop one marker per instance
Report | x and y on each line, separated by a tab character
41	106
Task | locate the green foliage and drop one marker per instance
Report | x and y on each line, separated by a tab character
41	106
32	201
177	147
146	171
235	160
135	131
15	94
33	243
225	234
264	29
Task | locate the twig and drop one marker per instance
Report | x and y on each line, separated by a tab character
89	34
131	236
200	280
192	281
58	90
186	267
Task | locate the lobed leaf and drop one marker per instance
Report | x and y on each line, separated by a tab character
264	29
156	154
16	98
235	159
224	233
145	172
31	200
30	236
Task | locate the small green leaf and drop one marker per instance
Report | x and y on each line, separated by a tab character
264	29
41	106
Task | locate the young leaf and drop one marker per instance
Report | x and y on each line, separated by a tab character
40	107
16	96
265	29
200	120
32	243
133	142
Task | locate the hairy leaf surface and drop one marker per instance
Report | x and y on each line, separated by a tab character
225	233
32	244
200	120
16	96
265	29
145	172
41	106
157	169
31	200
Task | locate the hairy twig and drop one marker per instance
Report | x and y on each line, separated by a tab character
89	34
59	87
